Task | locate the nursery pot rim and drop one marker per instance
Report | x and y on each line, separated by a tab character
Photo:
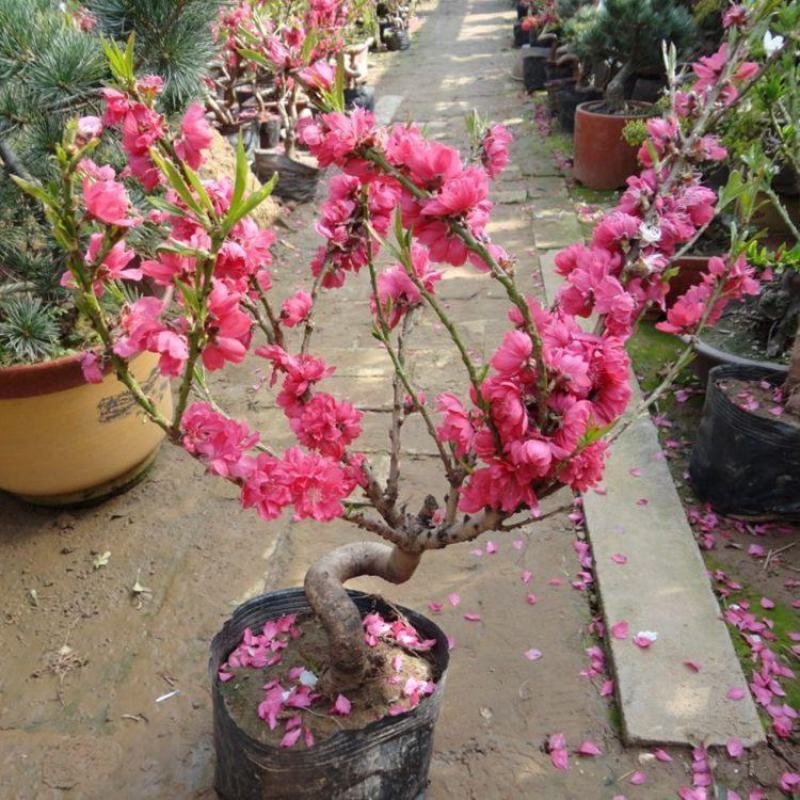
332	746
732	360
586	108
43	377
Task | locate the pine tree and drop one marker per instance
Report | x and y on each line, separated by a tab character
173	39
51	68
630	33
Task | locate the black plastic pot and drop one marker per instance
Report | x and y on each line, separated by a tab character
251	135
648	90
387	760
270	133
521	36
568	101
743	463
522	10
360	97
396	39
297	181
534	72
553	72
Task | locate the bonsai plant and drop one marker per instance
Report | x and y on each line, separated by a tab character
51	68
535	419
746	456
628	35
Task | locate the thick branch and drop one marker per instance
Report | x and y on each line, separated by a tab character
324	587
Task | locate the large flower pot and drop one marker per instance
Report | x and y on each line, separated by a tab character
64	441
534	68
603	159
297	181
745	463
387	760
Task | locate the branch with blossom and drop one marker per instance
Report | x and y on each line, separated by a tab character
537	415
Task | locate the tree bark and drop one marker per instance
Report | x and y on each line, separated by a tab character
615	91
324	587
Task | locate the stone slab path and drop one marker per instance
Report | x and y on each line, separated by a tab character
97	731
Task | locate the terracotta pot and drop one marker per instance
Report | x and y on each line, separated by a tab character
603	159
64	441
690	272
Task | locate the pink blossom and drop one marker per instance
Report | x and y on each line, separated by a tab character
494	150
557	747
91	367
195	136
107	201
295	309
90	127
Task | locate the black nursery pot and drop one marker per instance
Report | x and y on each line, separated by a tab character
396	39
360	97
568	101
743	463
553	72
534	72
387	760
270	133
522	10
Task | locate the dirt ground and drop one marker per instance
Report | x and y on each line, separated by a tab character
85	657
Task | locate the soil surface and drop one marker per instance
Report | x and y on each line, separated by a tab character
761	399
391	669
104	690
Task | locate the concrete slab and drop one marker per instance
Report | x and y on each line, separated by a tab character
386	107
664	588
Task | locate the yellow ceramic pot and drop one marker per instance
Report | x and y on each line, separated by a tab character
66	441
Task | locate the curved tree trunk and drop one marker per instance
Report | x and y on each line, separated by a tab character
615	91
324	587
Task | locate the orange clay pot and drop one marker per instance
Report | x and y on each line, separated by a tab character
603	159
64	441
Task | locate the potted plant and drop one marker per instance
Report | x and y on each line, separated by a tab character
96	441
394	18
353	716
628	34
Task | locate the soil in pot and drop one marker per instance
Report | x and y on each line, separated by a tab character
388	759
740	336
394	668
746	461
603	159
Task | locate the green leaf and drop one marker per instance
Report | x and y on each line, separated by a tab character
256	57
163	205
189	295
176	181
242	171
252	202
197	184
35	190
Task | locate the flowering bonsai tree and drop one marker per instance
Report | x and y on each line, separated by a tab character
538	413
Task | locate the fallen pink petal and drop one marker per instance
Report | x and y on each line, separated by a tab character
692	665
588	748
619	630
734	747
533	654
619	558
472	617
638	778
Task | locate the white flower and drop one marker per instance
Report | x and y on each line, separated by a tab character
308	678
651	635
772	43
650	233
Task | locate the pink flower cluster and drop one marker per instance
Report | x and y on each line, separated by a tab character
588	376
706	301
